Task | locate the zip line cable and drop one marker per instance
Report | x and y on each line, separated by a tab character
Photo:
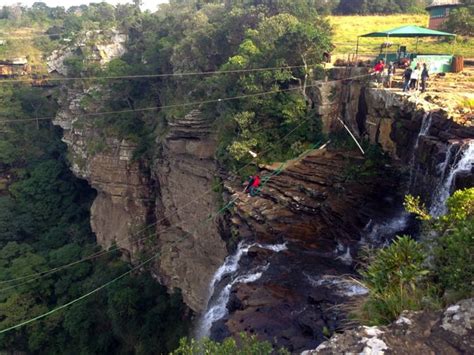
164	75
36	276
154	108
54	310
101	253
39	34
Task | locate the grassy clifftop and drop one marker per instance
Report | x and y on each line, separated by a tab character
27	42
347	28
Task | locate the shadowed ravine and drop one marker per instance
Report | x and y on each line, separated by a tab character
292	296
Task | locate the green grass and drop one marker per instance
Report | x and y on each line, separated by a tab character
347	28
23	42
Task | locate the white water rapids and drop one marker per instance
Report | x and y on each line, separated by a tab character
463	164
217	304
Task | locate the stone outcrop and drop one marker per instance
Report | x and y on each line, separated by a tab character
448	332
107	45
339	98
415	131
422	141
140	206
163	207
124	187
192	248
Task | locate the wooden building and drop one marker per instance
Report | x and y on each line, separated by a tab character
439	12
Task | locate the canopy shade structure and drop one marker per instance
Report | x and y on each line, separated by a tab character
409	32
406	32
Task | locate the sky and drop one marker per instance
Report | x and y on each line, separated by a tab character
147	4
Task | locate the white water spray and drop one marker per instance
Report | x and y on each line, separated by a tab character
217	306
464	164
343	285
424	129
379	234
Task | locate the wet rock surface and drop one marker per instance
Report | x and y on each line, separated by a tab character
425	138
319	213
444	332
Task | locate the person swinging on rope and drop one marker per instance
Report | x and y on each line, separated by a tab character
253	185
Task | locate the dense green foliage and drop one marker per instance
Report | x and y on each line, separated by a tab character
244	345
461	20
393	278
189	36
414	275
454	247
44	224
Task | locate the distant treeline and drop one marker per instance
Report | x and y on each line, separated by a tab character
40	11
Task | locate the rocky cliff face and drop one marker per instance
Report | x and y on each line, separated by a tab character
107	45
422	136
445	332
315	208
189	239
145	206
163	207
125	192
290	296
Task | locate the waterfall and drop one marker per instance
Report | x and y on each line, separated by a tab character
463	164
217	305
424	129
442	167
380	234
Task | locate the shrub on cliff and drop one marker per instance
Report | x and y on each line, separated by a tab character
245	345
451	245
440	268
395	279
454	248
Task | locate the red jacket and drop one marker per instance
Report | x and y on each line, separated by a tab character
378	67
256	181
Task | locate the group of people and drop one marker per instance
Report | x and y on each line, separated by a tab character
414	79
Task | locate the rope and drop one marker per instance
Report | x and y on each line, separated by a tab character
164	75
282	167
79	298
154	108
35	276
93	256
350	133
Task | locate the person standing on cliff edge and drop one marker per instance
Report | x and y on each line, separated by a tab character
424	77
406	78
378	70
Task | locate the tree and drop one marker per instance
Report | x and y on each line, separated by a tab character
461	21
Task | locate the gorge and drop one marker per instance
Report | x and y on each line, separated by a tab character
163	117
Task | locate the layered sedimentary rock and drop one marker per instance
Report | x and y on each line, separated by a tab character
166	207
144	206
318	211
414	130
191	246
421	137
124	189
